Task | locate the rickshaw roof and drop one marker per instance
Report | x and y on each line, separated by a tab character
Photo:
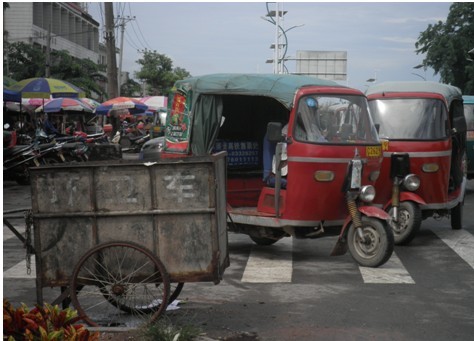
448	91
278	86
468	99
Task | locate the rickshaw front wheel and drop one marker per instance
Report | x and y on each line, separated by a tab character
408	224
116	278
456	216
377	245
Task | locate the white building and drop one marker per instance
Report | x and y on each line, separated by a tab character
71	28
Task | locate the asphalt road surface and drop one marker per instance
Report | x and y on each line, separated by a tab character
293	290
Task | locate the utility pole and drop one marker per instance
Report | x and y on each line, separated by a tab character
122	30
112	84
47	72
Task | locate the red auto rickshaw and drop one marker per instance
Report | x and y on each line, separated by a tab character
423	133
302	157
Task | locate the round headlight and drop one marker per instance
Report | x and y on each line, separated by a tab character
411	182
367	193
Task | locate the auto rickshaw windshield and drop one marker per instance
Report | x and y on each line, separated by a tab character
410	118
334	119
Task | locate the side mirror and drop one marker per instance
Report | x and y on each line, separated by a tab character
274	132
459	125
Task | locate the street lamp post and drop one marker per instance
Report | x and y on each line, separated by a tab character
278	57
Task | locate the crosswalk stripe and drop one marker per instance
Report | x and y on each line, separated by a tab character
270	265
19	270
460	241
392	271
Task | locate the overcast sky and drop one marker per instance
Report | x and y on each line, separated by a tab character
232	37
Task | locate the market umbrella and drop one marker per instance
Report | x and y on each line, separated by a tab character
64	104
7	81
45	88
134	106
90	102
34	103
155	102
11	96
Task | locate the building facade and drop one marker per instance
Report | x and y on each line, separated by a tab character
67	25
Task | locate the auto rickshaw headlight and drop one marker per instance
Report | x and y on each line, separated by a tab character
430	167
367	193
411	182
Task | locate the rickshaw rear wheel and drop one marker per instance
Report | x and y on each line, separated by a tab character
377	246
263	241
409	222
266	236
456	216
115	277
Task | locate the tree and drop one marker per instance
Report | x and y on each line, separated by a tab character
446	46
24	60
130	89
157	71
28	61
83	73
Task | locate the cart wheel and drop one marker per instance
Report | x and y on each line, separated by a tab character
118	277
175	289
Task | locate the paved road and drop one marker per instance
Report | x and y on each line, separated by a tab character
425	291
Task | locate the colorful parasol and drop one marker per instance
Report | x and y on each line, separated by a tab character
64	104
134	106
90	102
155	102
46	88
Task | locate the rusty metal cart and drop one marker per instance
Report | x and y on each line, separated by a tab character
115	235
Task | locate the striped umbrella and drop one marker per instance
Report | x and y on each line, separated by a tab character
134	106
45	88
64	104
90	102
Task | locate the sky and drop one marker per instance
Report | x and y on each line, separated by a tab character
233	37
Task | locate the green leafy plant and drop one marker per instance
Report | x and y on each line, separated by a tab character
47	323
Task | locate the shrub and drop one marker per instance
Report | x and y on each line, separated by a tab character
47	323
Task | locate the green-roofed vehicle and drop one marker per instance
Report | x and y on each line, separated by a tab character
302	155
469	114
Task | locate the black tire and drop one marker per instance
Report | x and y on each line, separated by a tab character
408	224
378	246
456	216
263	241
119	276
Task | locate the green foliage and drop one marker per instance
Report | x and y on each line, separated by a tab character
157	71
446	46
28	61
24	60
46	323
131	89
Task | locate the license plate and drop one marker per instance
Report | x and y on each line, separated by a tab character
373	151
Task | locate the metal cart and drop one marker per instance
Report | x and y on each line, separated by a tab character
121	237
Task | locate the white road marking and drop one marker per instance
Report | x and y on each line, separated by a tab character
19	270
272	264
461	241
391	272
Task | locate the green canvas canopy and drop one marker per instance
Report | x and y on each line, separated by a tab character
280	87
204	104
